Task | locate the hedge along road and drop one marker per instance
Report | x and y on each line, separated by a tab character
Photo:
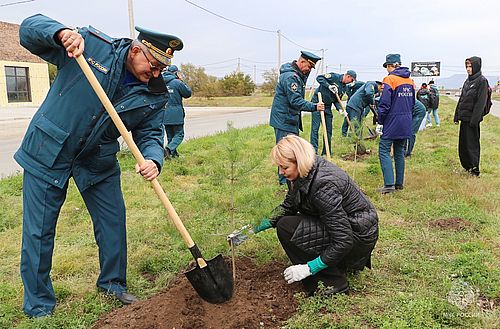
200	121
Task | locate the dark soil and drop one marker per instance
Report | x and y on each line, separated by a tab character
262	299
454	223
360	157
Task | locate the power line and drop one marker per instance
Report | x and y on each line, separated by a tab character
15	3
224	61
228	19
291	41
252	61
248	26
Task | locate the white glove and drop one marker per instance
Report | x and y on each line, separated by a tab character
344	113
379	129
334	89
296	273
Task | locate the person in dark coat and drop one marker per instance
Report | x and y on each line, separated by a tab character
173	118
72	136
289	102
326	225
469	112
424	96
434	96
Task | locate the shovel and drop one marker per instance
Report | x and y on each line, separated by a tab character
325	133
211	279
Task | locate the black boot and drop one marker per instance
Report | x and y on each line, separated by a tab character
167	154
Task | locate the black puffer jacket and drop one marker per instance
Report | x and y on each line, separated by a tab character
341	224
474	96
424	96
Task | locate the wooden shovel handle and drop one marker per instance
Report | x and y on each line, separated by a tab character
133	148
325	133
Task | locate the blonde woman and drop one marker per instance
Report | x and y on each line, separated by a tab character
326	225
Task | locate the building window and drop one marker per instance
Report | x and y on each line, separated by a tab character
18	84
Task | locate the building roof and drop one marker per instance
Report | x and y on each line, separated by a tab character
10	49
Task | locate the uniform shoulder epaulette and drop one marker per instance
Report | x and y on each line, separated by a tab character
100	34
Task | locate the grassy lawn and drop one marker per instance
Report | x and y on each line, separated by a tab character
258	100
495	96
437	237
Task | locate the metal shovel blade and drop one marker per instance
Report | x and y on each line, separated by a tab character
214	283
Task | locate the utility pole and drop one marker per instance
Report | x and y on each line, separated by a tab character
279	51
255	74
131	19
238	67
340	68
323	61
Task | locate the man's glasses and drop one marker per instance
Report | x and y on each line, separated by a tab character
153	68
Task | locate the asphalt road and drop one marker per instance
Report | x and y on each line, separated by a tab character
199	122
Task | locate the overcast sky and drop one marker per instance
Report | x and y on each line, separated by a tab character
357	34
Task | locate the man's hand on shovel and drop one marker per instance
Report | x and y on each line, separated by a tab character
72	41
148	170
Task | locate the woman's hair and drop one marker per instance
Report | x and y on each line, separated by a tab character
293	149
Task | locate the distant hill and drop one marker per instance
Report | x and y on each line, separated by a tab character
456	81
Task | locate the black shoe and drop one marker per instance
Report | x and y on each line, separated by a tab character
336	291
124	297
398	187
166	153
175	154
387	189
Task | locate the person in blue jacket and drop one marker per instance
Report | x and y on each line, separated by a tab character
329	85
353	87
289	102
72	136
173	118
364	97
418	114
395	119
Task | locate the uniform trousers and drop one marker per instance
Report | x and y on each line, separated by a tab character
279	134
41	207
315	125
384	154
175	136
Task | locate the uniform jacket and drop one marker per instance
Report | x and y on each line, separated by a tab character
424	96
363	97
342	223
289	99
329	98
418	115
396	104
474	96
177	90
351	89
434	95
71	134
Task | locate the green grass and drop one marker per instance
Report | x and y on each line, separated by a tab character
495	96
415	264
258	100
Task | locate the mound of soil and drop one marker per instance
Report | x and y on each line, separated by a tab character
262	299
453	223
